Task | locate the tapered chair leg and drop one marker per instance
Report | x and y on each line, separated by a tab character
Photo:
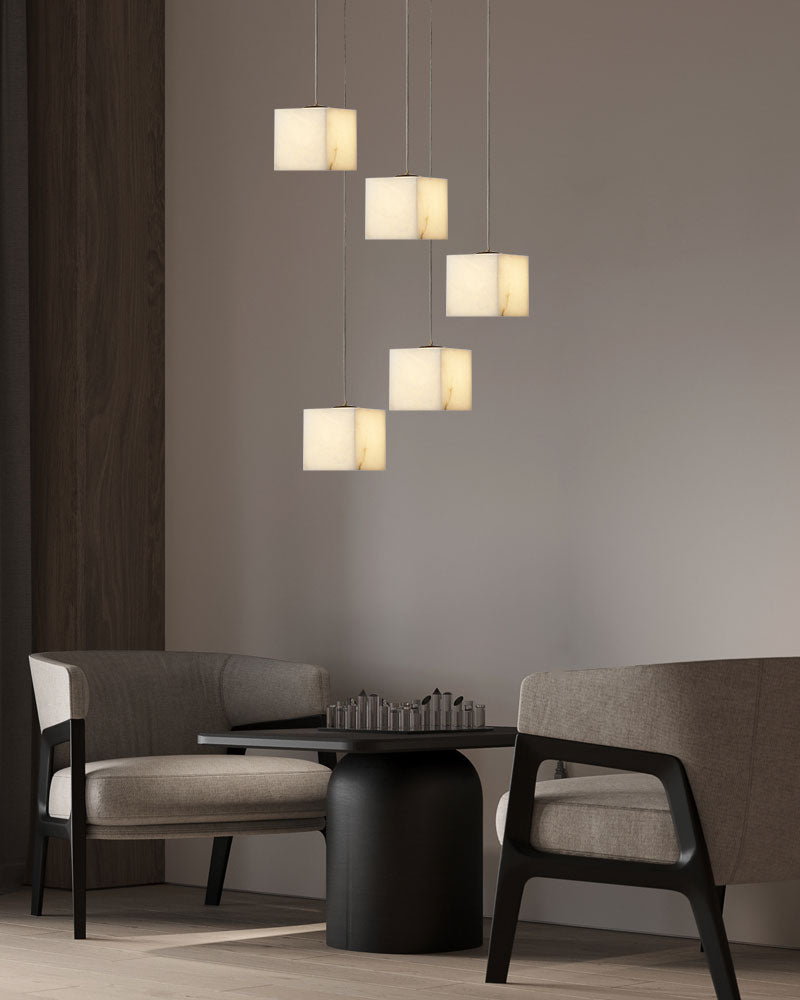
220	853
78	852
721	898
37	877
510	885
708	916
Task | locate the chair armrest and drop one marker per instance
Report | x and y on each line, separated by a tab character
60	689
531	752
71	731
693	866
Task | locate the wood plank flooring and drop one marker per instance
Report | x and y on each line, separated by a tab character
162	942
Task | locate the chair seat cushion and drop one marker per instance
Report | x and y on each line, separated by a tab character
197	788
623	816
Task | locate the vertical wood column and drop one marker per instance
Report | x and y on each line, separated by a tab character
96	111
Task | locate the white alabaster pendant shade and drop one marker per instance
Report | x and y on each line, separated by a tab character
315	139
344	438
430	378
405	208
487	284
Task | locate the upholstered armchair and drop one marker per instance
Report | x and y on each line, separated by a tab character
712	799
132	769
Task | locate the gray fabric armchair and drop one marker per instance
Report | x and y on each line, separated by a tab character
133	769
713	800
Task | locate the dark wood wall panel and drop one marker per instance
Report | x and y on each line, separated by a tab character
53	113
124	297
96	72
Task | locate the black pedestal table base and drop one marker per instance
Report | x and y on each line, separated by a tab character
404	856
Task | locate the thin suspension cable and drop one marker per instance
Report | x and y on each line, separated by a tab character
430	289
344	227
430	88
344	288
407	97
316	52
488	123
430	157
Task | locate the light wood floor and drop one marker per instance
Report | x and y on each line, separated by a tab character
162	942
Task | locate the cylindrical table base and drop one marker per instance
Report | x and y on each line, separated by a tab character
404	855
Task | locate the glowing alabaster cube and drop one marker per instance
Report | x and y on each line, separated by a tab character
315	139
345	438
487	284
430	378
405	208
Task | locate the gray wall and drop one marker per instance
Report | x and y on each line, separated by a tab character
627	487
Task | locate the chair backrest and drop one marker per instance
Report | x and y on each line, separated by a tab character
733	724
138	703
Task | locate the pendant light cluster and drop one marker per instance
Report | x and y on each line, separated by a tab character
402	207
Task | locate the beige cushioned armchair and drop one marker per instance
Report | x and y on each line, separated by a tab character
713	798
134	769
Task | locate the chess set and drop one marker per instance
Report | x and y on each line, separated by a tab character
436	712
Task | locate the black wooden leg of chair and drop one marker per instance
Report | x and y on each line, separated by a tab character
77	824
708	915
37	878
721	898
220	853
78	853
511	881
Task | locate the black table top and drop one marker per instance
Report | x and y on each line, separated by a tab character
355	742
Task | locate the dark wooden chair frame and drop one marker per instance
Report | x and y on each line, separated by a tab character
73	829
690	875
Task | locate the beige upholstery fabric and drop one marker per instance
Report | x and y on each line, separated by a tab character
140	702
769	849
60	689
733	723
614	816
139	791
256	690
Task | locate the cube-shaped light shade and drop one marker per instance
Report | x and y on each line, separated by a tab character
346	438
315	139
487	284
405	208
430	378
